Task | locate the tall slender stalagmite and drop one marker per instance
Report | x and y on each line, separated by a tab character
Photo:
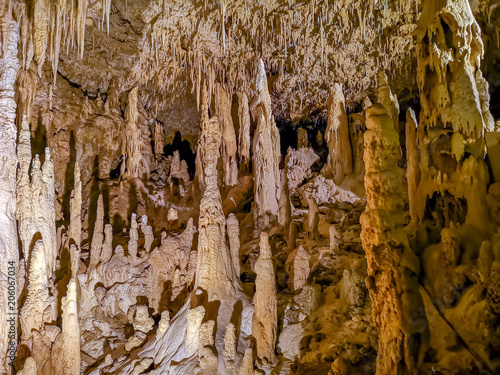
214	271
265	316
339	163
413	158
267	154
136	149
244	136
229	143
70	331
75	222
392	266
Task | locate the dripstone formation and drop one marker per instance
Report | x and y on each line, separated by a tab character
249	187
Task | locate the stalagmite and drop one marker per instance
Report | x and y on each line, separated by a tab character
388	100
136	149
147	230
35	210
266	150
71	331
9	251
159	140
229	352
75	221
98	235
229	144
209	142
133	239
233	232
392	266
413	160
244	134
265	316
301	268
107	246
194	319
214	272
37	301
339	163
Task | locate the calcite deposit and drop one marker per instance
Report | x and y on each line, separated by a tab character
249	187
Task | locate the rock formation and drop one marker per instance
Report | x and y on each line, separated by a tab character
205	187
393	268
229	144
9	65
266	152
265	318
337	136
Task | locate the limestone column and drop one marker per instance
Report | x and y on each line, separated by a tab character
9	66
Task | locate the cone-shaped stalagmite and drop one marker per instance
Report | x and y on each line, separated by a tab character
266	151
265	316
339	162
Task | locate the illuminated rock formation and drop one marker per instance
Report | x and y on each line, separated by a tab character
9	251
266	152
136	149
339	163
265	316
229	144
392	266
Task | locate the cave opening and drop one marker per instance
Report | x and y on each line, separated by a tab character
185	151
315	131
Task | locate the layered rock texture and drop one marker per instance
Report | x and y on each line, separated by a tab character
249	187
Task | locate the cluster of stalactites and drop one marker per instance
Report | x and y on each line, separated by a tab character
50	27
455	105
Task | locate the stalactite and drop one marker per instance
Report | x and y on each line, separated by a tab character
453	159
81	17
41	22
339	163
266	152
265	316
